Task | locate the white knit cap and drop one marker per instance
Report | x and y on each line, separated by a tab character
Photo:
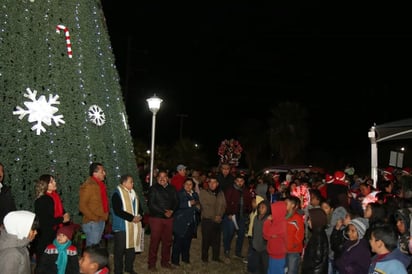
19	223
361	225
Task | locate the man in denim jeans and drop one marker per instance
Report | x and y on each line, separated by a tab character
238	208
94	204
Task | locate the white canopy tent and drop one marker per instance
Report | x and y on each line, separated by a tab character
396	130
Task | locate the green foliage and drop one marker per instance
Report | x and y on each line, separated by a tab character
184	151
253	137
288	131
34	56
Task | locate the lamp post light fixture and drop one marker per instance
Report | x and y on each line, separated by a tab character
154	106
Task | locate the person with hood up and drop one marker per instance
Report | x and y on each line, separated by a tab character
274	231
403	222
251	265
259	256
315	257
19	230
356	255
333	231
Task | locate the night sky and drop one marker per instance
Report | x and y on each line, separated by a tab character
220	64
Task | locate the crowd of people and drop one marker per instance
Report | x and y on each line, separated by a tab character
302	223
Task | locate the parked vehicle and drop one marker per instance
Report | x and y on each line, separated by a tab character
282	170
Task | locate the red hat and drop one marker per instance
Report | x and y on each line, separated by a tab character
66	230
389	170
406	171
329	178
388	174
339	176
388	177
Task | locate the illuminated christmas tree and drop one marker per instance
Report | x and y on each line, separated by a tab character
61	105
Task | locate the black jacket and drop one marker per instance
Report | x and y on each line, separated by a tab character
160	199
337	240
315	259
47	263
7	203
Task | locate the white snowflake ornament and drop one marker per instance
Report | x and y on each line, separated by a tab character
40	111
96	115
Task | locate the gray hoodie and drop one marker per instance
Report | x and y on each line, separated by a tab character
14	254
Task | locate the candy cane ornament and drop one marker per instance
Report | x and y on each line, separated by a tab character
67	34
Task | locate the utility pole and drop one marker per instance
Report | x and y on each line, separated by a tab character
181	117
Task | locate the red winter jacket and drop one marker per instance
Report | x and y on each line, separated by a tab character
274	231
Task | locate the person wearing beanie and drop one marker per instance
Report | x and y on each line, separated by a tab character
315	258
60	256
356	255
20	228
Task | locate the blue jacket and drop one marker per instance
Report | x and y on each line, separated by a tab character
394	263
186	217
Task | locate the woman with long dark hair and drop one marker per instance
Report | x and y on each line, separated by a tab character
50	211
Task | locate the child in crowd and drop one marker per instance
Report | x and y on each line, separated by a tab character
272	194
295	234
259	255
402	219
94	260
388	258
376	214
20	228
315	258
60	257
334	215
274	231
251	265
356	255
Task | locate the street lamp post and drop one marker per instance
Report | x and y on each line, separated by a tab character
154	106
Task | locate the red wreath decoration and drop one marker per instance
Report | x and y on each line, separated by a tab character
230	152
